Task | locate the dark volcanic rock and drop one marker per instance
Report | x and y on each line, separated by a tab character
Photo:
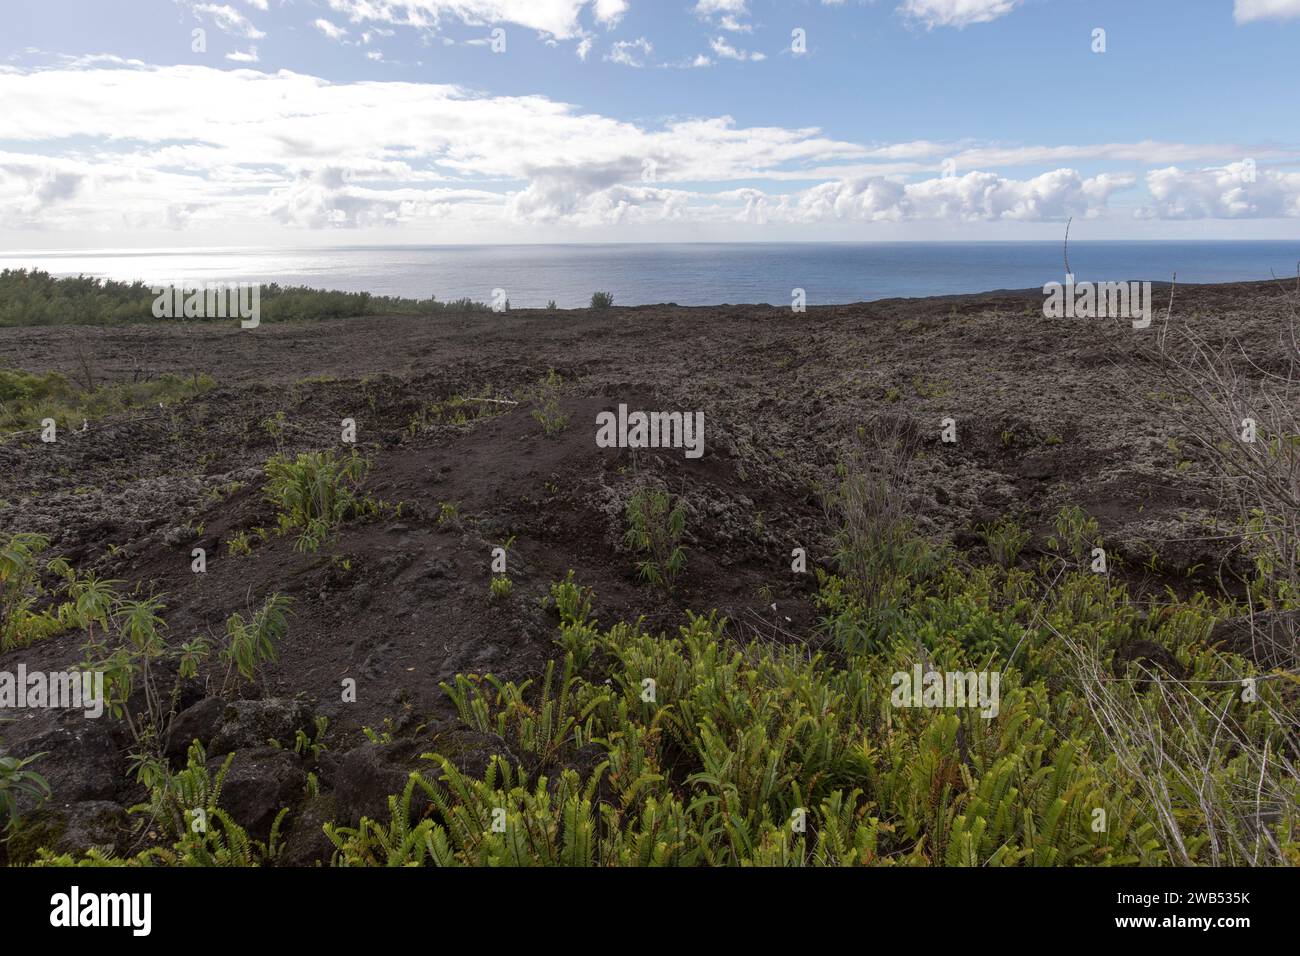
81	761
199	722
369	774
259	784
1270	639
307	844
1147	655
96	824
251	723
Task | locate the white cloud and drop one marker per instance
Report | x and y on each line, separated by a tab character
326	198
630	52
239	56
229	20
54	186
33	190
559	18
726	13
200	148
1246	11
726	51
1147	152
956	13
329	29
94	59
1236	191
707	8
610	12
974	197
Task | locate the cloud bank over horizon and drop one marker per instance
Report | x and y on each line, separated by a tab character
101	147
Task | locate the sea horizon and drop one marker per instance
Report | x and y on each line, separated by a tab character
685	273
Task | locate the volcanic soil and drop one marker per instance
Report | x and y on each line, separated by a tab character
1047	412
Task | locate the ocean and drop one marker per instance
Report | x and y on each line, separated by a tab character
687	274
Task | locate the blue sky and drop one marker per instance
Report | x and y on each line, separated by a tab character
296	122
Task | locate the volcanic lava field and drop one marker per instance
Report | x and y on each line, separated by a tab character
1048	413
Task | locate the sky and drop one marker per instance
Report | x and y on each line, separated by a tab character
253	123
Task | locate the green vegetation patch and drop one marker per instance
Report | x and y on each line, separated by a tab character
37	298
27	399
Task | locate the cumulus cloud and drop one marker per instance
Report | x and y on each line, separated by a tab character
329	29
328	198
610	12
1246	11
708	8
559	18
1235	191
630	52
1148	152
32	192
238	146
727	14
955	13
726	51
54	186
228	20
192	146
974	197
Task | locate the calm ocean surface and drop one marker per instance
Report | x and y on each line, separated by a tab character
693	274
